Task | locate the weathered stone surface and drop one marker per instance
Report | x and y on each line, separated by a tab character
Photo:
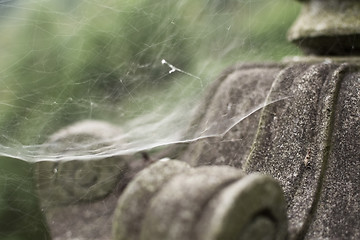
72	181
170	200
251	208
134	201
309	142
338	212
295	132
89	220
354	60
174	211
235	94
328	27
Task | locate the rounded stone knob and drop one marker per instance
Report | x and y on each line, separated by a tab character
250	208
328	27
135	199
204	203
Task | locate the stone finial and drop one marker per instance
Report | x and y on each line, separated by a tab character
328	27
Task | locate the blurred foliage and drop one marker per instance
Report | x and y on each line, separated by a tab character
20	214
62	58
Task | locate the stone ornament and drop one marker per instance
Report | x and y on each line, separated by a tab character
309	141
76	180
135	199
170	200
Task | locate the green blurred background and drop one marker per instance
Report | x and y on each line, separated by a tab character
67	60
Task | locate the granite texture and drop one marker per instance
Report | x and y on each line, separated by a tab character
237	93
338	211
309	142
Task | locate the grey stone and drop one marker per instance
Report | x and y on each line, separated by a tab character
328	27
251	208
135	199
174	211
236	93
309	142
170	200
338	211
64	182
354	60
307	139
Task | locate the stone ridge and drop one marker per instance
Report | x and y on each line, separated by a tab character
330	27
238	91
309	141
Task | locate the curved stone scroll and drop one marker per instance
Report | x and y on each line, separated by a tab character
77	180
135	198
170	200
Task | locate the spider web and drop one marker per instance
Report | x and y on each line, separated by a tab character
132	71
141	65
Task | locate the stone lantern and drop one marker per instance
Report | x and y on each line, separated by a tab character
297	175
307	137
